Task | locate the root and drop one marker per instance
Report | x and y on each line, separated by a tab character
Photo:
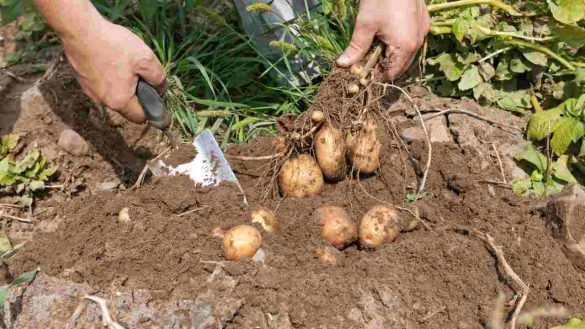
497	251
500	163
107	320
504	127
372	61
20	219
423	181
258	158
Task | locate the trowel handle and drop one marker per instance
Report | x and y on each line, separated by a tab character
153	105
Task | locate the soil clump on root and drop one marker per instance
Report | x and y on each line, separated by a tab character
436	277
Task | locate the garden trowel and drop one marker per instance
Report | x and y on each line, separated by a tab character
209	167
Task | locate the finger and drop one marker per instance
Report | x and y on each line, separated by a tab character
360	43
399	60
151	70
133	111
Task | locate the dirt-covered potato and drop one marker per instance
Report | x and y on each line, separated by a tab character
300	177
265	217
336	226
378	225
241	241
330	152
363	148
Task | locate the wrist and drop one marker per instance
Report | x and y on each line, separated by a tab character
71	19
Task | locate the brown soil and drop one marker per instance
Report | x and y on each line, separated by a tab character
439	277
184	153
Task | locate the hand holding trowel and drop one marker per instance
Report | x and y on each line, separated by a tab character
208	168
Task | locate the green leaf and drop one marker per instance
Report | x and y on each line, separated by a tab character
563	135
518	66
5	244
542	124
521	186
567	11
36	185
487	71
574	323
24	277
561	170
503	71
449	65
47	173
582	151
4	295
532	156
515	101
572	35
470	78
460	27
535	57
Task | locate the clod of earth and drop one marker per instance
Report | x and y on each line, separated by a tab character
71	142
566	215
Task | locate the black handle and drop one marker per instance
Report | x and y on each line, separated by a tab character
153	105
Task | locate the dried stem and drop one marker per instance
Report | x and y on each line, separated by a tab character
371	62
463	3
508	128
423	181
497	250
24	220
107	320
500	163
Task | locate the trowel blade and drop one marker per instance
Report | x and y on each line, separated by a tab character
209	167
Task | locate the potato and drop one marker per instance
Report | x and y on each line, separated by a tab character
363	148
241	241
300	177
317	116
328	255
330	152
265	217
378	225
336	226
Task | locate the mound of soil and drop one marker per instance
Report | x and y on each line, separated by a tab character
437	276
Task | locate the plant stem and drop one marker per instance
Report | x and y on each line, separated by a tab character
510	34
542	49
463	3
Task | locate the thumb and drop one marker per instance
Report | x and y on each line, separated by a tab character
151	71
133	111
360	43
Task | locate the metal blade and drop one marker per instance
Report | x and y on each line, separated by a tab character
209	167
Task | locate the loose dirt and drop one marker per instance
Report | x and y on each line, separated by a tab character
439	277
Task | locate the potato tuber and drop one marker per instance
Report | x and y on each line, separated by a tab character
330	152
300	177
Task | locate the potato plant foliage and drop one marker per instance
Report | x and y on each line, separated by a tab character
23	174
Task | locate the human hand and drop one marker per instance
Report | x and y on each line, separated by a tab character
109	60
400	24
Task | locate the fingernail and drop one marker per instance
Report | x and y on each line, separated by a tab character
343	60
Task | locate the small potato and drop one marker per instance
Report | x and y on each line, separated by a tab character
356	70
241	241
300	177
317	116
353	88
336	226
330	152
379	224
328	255
266	218
363	148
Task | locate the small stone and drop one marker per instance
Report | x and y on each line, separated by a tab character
124	215
108	186
259	257
73	143
436	127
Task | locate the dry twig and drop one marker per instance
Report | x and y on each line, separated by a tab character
427	138
500	163
72	322
107	320
24	220
497	250
191	211
504	127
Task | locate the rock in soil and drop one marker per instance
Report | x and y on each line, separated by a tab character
566	216
71	142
